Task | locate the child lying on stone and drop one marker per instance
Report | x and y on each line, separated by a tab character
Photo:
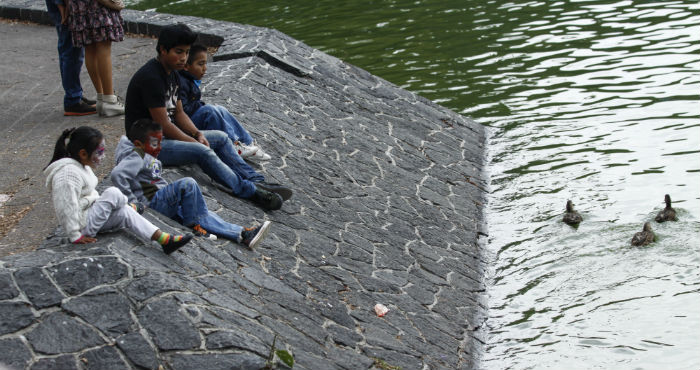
137	174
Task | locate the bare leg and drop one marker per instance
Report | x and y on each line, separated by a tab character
93	67
103	57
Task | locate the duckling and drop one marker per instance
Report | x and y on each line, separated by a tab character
643	237
668	213
571	217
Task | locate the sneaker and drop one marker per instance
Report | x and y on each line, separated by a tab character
111	106
251	236
88	101
79	109
173	245
244	150
282	190
198	230
259	156
266	200
138	207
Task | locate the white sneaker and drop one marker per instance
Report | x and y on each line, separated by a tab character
111	106
244	150
259	156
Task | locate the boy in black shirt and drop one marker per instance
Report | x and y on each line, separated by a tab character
153	93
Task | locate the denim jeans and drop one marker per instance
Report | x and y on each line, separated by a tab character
216	117
220	161
70	59
183	202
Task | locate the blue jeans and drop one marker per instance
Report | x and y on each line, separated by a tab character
220	161
183	202
70	59
216	117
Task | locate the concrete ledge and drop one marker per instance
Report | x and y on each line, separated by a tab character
387	209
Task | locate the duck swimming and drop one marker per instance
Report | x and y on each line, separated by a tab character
668	213
571	217
643	237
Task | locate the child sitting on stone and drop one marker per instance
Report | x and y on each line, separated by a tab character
209	116
137	173
81	210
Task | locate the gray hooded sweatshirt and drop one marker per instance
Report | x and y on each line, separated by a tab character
136	173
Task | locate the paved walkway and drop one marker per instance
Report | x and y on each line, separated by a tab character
32	118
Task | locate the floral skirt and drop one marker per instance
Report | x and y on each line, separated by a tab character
90	22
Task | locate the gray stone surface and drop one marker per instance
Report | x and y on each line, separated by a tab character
66	362
38	288
14	316
15	353
387	209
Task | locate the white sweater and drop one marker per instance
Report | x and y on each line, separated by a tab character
73	192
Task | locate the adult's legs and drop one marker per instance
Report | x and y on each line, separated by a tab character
214	224
110	212
222	145
93	67
216	117
70	59
178	153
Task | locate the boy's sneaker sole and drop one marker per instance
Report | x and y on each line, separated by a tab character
173	246
262	233
283	191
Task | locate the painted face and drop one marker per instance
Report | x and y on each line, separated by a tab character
152	144
199	66
98	155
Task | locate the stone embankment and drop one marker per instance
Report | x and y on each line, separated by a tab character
389	191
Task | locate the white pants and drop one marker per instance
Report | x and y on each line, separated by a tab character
111	212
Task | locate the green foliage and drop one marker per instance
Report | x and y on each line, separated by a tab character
381	364
282	355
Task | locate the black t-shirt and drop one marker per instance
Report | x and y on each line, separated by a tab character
150	87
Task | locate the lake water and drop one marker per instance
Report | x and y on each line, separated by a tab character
593	101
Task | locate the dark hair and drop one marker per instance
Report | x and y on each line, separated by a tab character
194	50
72	140
174	35
140	129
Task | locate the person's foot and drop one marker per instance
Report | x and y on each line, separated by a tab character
175	242
252	236
266	200
138	207
88	101
258	156
111	106
244	150
198	230
79	109
282	190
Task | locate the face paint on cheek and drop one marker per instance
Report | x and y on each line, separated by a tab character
99	154
153	143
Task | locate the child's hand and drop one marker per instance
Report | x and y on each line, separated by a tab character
85	240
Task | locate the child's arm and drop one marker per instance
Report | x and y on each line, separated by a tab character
65	191
124	174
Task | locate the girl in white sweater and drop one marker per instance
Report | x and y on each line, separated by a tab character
80	209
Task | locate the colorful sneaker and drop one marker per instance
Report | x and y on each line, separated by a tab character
139	207
259	156
282	190
198	230
244	150
266	200
172	245
79	109
251	236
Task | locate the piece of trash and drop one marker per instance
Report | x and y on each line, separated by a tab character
380	309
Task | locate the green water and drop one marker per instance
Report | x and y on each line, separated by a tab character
593	101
